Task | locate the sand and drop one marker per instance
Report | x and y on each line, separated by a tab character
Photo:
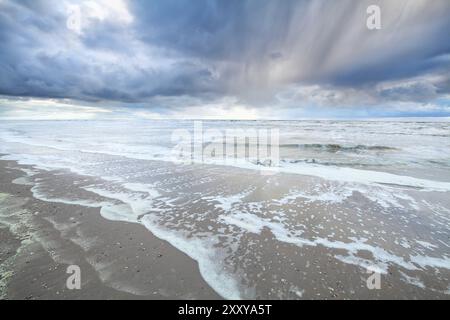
118	260
121	260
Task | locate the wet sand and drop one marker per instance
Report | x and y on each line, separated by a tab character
118	260
121	260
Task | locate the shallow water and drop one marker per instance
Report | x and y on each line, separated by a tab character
367	194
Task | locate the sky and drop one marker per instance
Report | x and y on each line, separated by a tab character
223	59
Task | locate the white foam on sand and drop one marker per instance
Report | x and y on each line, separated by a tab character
325	194
251	223
426	244
132	204
339	192
431	262
205	252
412	280
136	204
226	203
382	259
146	188
78	202
128	206
365	177
25	181
138	209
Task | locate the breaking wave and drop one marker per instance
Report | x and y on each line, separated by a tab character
334	148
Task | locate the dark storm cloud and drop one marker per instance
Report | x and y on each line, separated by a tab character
40	57
216	30
311	34
254	50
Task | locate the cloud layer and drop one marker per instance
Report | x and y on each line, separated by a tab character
272	58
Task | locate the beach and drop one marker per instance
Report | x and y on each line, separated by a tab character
39	240
141	227
224	150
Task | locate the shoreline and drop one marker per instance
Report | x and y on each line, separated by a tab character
118	260
125	260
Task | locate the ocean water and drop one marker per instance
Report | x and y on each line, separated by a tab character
373	194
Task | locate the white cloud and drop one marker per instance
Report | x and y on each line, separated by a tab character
114	10
47	109
83	14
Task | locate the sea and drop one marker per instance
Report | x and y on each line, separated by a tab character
372	195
